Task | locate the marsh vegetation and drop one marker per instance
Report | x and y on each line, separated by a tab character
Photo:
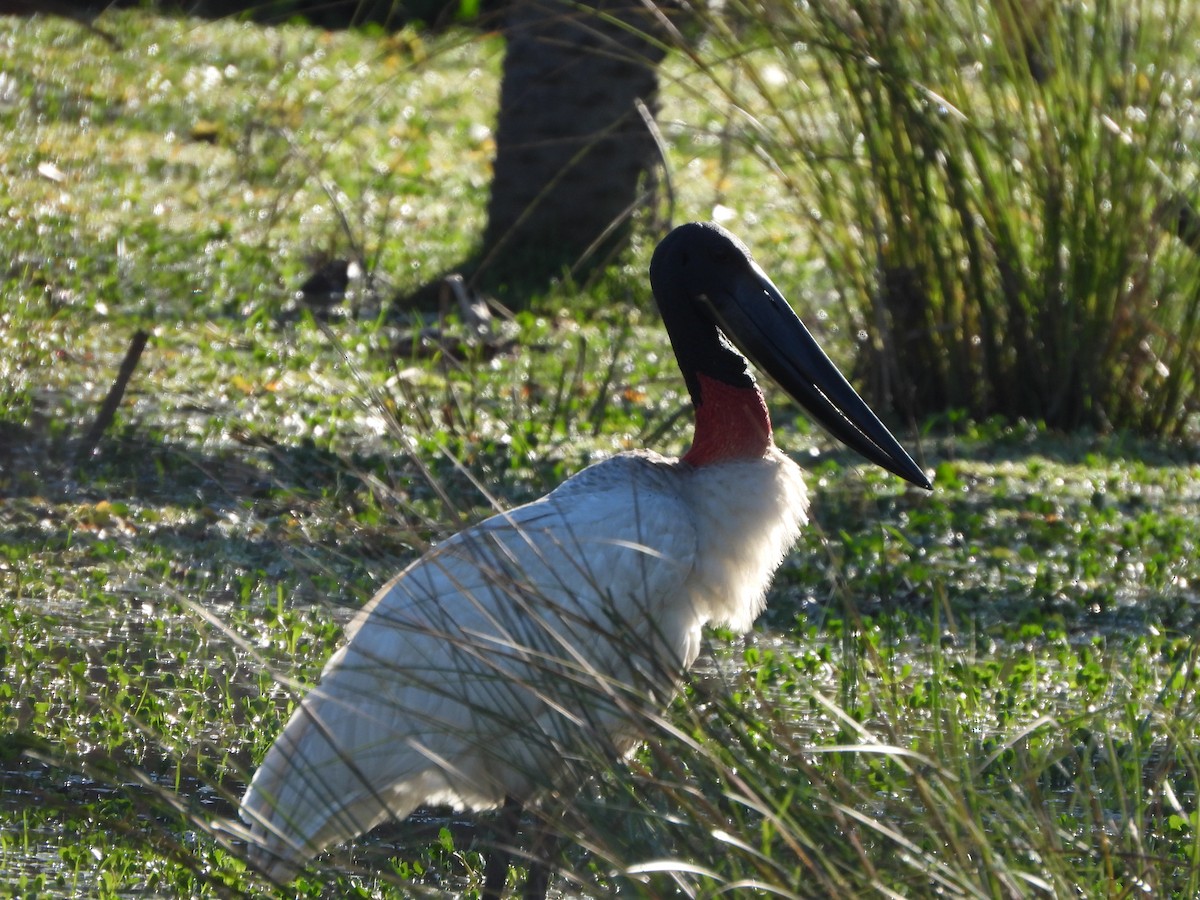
990	691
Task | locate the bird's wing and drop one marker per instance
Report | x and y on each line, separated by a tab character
485	667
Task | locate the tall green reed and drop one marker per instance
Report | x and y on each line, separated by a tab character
995	190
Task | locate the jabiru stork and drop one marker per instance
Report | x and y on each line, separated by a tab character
483	673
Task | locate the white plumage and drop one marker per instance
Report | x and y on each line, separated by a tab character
473	674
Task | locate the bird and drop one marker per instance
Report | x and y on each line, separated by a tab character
498	666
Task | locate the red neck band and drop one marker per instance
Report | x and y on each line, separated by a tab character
731	423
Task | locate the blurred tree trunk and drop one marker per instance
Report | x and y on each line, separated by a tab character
572	150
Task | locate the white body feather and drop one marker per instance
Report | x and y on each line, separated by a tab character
489	665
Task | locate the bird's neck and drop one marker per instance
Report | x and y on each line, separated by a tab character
732	422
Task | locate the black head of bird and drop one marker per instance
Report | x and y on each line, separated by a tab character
712	294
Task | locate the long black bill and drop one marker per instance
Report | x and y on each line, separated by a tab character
759	321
